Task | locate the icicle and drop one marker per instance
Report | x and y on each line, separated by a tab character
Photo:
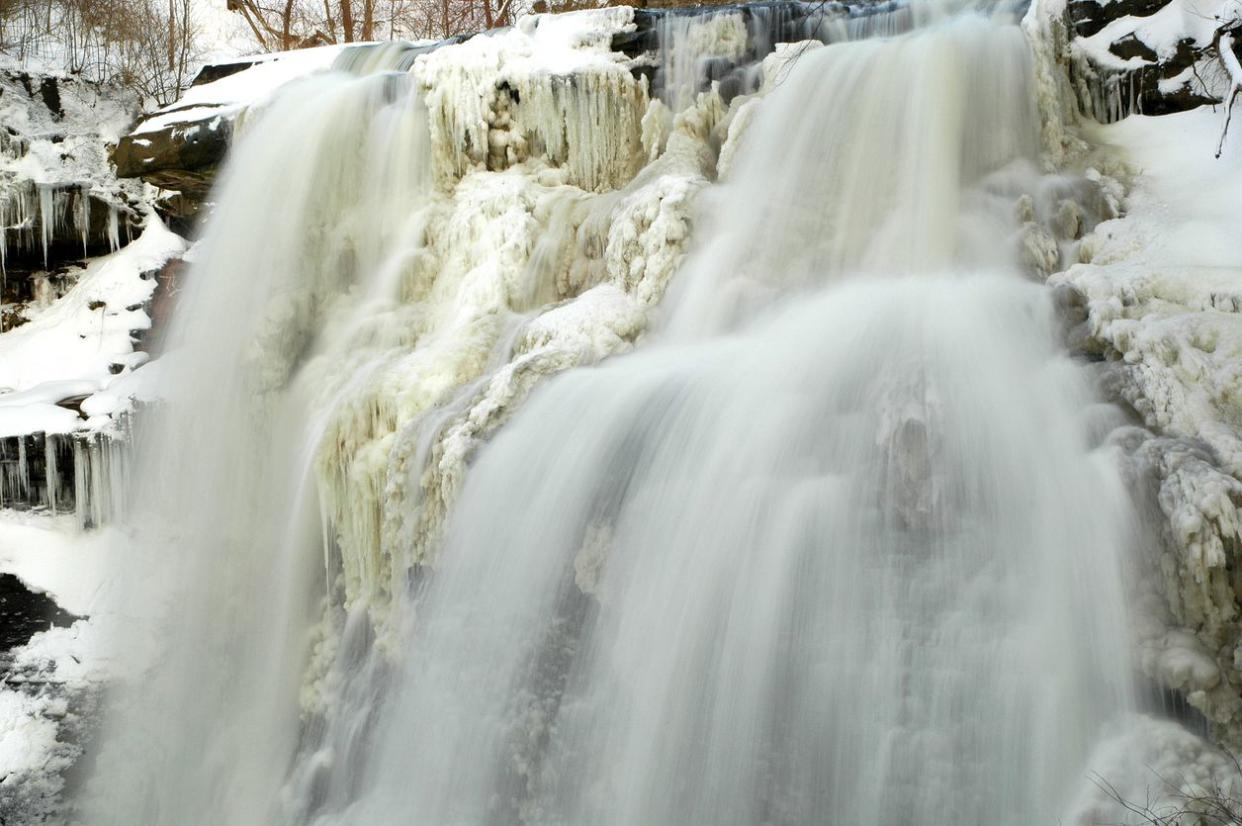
7	482
4	245
52	473
81	482
23	469
84	216
114	232
47	217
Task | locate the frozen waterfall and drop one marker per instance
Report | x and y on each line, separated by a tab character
837	543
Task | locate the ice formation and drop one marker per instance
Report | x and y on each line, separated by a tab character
1159	298
544	89
55	184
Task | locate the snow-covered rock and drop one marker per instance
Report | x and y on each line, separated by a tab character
1148	56
179	147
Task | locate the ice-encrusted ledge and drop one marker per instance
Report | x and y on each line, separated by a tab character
1160	296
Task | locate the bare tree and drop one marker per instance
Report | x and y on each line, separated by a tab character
150	45
347	20
286	24
1226	50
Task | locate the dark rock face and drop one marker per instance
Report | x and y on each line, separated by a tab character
218	71
169	280
1130	47
49	90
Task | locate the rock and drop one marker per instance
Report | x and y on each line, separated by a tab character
1130	47
218	71
1109	94
181	157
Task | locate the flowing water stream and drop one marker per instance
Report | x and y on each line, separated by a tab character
836	544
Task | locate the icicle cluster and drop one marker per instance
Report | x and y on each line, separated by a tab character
497	101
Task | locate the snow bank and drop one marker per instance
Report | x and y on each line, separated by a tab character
51	557
256	84
69	349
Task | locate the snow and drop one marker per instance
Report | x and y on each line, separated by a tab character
1162	31
50	556
1230	60
36	418
1165	281
255	85
27	736
183	117
47	683
68	147
1153	762
66	349
223	34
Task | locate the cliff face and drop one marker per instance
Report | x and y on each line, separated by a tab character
78	263
60	201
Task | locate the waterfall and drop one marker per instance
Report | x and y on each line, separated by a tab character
838	543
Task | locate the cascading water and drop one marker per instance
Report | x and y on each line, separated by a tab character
328	180
835	546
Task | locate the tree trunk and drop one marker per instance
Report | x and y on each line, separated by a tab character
286	23
368	19
172	35
347	20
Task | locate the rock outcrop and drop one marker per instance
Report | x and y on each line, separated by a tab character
1149	57
59	200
